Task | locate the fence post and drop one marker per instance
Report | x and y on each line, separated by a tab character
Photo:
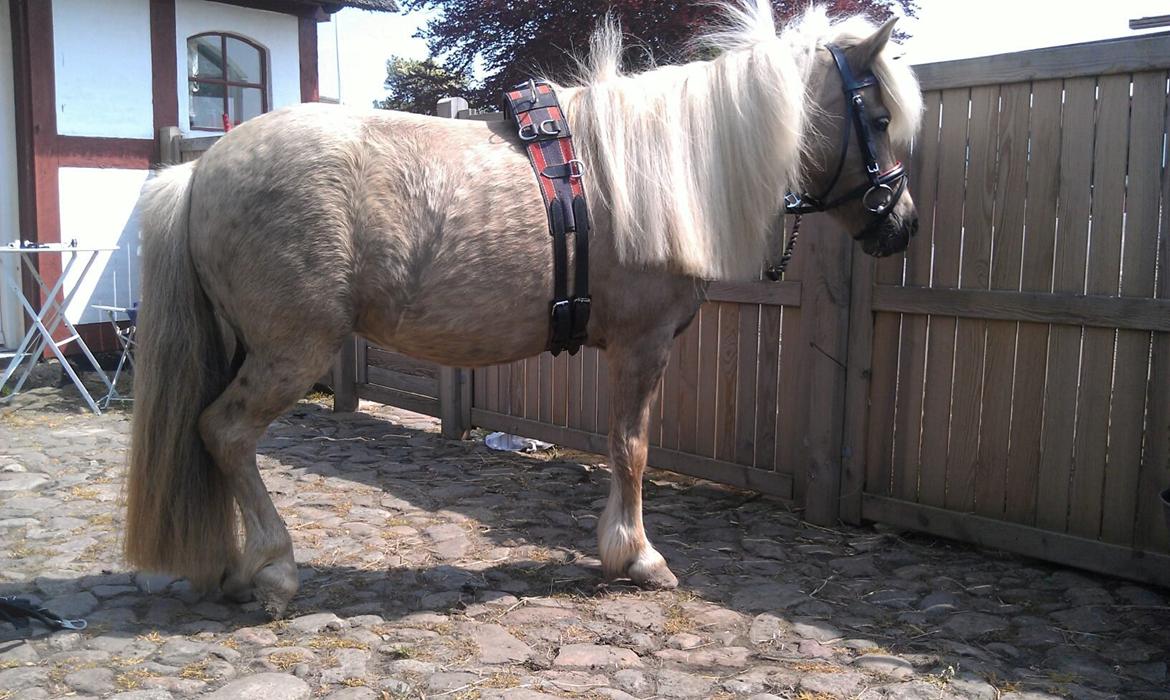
169	138
857	375
454	383
824	318
345	399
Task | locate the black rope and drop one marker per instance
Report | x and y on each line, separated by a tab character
776	271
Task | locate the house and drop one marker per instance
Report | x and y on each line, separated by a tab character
85	88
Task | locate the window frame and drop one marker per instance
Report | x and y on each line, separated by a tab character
225	81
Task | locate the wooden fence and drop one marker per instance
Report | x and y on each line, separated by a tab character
1006	382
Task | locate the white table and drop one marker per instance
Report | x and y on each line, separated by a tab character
52	313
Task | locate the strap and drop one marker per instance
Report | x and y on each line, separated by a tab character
543	128
19	611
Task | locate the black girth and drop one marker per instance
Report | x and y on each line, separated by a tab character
542	126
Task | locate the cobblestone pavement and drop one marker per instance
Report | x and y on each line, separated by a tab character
442	569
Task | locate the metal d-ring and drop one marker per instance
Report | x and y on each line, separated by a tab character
549	127
887	198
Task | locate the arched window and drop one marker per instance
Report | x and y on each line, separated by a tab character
227	80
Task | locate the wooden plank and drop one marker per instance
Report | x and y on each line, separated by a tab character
708	379
361	359
783	293
532	388
746	384
1127	415
736	475
999	359
1125	55
1151	531
688	377
941	333
1072	309
545	361
402	399
424	386
1036	275
767	393
1102	277
1064	549
1064	353
671	397
974	273
560	389
492	390
911	372
573	416
825	328
403	364
589	390
654	424
603	382
727	379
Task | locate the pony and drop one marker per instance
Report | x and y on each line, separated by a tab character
308	224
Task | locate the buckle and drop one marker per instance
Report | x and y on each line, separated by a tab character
549	128
581	310
574	170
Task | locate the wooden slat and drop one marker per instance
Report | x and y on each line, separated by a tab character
767	376
1036	275
999	363
397	362
1152	532
858	369
654	429
1102	277
424	386
589	390
560	389
516	388
1127	415
688	378
727	372
671	396
603	380
746	385
782	293
532	388
708	379
1065	309
504	389
492	390
792	415
1033	542
545	383
402	399
974	273
1064	353
1089	59
912	352
737	475
941	337
573	417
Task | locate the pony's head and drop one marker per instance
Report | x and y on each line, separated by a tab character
865	110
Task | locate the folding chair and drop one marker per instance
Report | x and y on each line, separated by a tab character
126	340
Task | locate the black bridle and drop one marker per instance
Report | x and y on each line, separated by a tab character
882	189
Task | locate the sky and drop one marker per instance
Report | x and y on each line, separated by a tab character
360	41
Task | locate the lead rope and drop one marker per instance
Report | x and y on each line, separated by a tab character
776	271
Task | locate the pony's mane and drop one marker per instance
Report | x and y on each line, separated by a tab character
692	161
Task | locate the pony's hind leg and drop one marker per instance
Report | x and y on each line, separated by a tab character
625	550
265	386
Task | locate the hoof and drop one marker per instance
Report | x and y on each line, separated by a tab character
276	584
650	571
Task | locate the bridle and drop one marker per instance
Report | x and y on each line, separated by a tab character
882	189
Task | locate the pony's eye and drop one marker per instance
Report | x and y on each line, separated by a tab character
882	124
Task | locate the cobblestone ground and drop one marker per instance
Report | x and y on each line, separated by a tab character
442	569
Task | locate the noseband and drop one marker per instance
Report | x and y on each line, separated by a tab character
883	190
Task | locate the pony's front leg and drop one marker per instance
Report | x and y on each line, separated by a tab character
625	551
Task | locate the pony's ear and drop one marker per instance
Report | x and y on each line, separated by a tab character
864	53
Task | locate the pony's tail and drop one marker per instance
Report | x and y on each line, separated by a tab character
180	517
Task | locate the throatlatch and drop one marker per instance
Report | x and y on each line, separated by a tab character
542	126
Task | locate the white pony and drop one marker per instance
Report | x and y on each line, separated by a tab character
311	223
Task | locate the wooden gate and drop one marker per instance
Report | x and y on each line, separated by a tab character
1019	386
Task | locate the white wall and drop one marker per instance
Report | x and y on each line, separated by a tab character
98	208
274	31
9	212
101	56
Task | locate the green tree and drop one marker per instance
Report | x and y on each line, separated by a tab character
510	40
416	86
